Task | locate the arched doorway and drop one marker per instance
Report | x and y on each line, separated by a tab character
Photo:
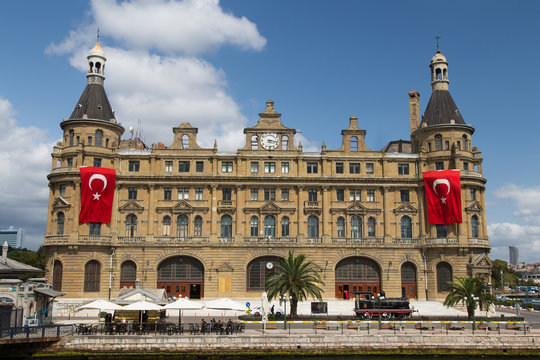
259	270
128	274
357	274
58	269
181	275
408	280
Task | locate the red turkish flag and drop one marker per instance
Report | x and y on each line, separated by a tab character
97	192
443	196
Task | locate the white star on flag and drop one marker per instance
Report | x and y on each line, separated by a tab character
443	200
96	196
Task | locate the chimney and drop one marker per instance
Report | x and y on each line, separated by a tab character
4	252
414	109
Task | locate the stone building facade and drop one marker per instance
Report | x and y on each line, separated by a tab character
203	223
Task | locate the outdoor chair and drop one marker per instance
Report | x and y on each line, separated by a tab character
512	326
194	329
420	326
455	327
351	325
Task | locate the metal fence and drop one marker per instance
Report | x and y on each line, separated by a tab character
25	332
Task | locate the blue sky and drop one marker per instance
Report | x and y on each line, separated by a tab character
215	64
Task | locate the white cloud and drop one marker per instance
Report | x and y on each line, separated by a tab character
25	162
525	236
167	88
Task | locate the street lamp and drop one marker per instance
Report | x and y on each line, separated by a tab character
502	282
283	298
474	299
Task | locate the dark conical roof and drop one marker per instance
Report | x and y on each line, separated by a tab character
441	109
94	103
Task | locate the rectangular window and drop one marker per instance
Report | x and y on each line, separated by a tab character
183	166
183	194
198	194
168	166
269	167
63	190
269	194
97	162
466	166
254	167
404	195
89	141
284	167
370	195
339	168
355	195
473	194
199	166
95	229
70	162
354	168
255	194
340	195
312	168
403	169
284	194
226	194
312	194
132	193
439	165
369	168
134	165
226	166
167	194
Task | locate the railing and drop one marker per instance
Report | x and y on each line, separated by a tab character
270	240
182	239
226	240
471	173
226	203
56	239
358	241
314	240
64	169
37	331
442	241
131	239
406	241
312	204
95	239
481	241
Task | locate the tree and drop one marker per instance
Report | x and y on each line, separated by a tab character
33	258
465	290
297	277
510	276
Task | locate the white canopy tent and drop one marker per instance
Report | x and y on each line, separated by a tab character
142	306
100	304
181	305
225	304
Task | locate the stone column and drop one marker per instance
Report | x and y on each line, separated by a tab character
325	214
151	210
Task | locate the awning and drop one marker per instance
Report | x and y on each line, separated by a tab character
50	292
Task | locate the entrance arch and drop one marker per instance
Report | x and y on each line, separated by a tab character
408	280
181	275
357	274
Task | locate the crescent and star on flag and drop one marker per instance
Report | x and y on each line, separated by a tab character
97	195
445	182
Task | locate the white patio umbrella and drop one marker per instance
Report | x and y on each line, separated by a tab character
142	306
264	308
225	304
181	305
100	304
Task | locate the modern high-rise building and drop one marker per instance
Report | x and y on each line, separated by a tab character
513	254
13	236
204	223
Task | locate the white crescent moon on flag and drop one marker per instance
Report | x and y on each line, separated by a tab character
102	178
441	181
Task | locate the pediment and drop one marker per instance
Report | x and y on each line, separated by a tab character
225	267
60	203
131	206
356	208
405	208
474	207
481	260
182	207
270	208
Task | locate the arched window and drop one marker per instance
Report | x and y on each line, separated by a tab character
58	163
354	143
438	74
285	226
60	219
128	274
185	141
464	139
166	226
408	272
226	226
254	142
313	227
444	276
406	227
442	231
261	269
182	226
131	225
71	137
340	226
270	226
197	226
371	227
57	275
438	142
284	142
356	227
92	275
445	74
254	226
99	138
474	226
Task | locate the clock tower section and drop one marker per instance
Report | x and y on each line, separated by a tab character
269	135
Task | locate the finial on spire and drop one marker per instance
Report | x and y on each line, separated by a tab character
98	36
437	37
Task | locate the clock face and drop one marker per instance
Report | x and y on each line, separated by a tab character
269	141
269	265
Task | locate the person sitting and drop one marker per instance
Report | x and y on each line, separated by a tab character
204	324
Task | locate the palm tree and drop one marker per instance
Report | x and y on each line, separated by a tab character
296	277
469	291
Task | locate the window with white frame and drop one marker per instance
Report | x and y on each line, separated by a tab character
168	166
269	167
198	194
226	166
370	195
254	194
183	194
284	194
355	195
284	167
369	168
254	167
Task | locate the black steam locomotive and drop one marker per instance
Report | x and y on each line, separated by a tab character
367	307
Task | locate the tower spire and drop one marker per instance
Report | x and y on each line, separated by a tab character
98	37
439	70
437	37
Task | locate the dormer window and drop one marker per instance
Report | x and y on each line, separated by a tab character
438	142
354	143
185	141
254	142
284	142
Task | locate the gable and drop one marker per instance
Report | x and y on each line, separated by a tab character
182	207
405	208
131	206
474	207
60	204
